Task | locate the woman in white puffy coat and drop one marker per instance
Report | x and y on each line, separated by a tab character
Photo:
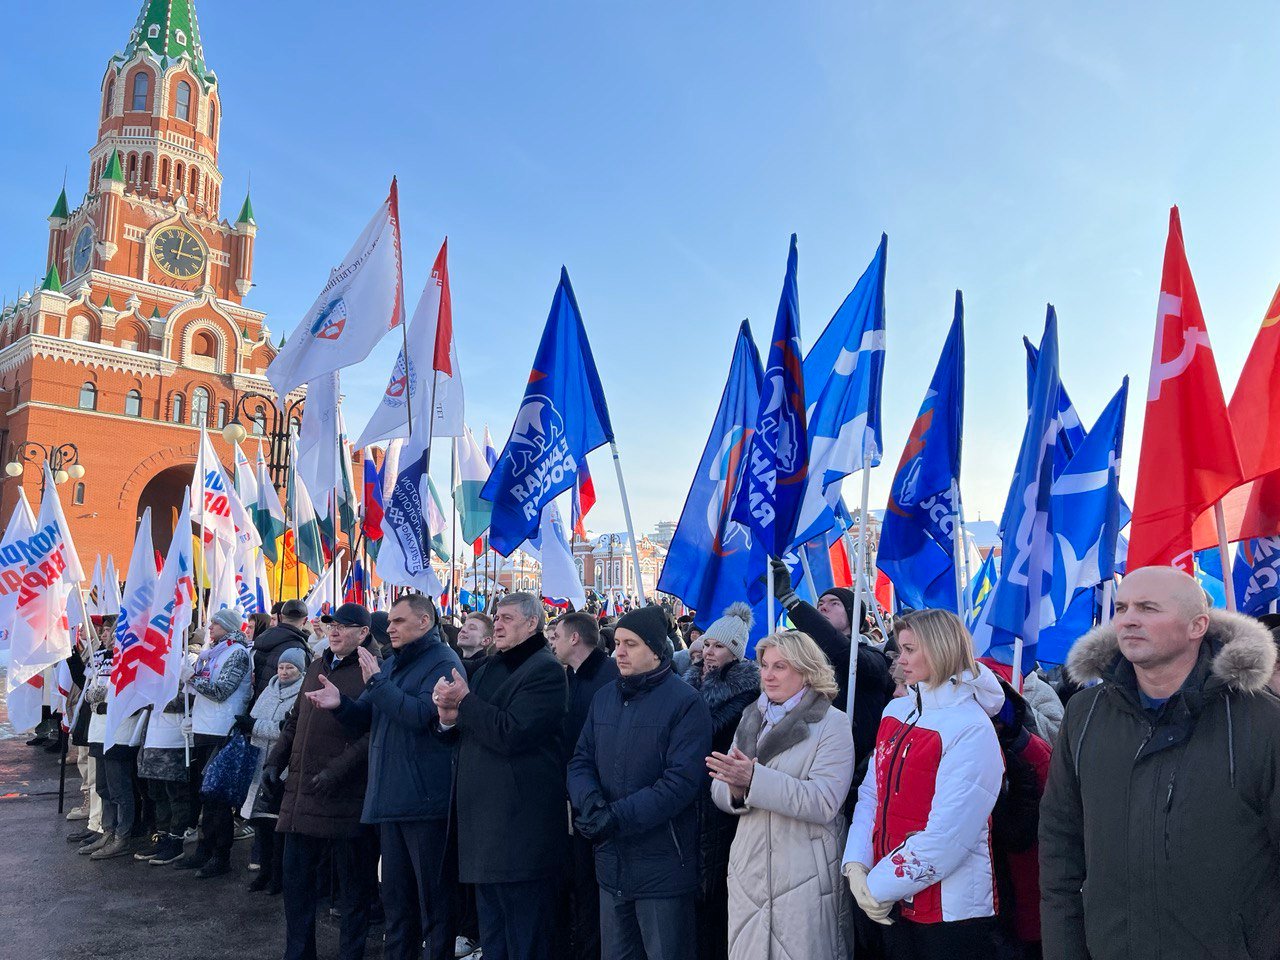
918	857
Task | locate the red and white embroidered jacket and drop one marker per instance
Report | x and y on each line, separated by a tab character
922	821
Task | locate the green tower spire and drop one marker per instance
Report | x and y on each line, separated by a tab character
246	212
170	29
114	171
52	282
60	208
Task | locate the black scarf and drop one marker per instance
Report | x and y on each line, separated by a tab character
643	682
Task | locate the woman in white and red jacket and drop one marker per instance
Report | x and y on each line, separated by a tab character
918	857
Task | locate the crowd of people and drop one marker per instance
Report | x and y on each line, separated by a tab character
519	788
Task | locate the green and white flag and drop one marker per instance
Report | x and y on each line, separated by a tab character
268	515
302	514
472	470
436	523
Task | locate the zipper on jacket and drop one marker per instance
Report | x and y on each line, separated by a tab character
899	738
1151	732
676	840
1168	810
897	785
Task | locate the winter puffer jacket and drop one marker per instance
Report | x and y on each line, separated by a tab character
787	900
1160	830
644	750
922	822
727	692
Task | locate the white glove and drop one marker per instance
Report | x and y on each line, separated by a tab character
856	874
188	671
186	732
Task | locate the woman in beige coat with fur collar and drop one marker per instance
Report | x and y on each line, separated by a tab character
787	777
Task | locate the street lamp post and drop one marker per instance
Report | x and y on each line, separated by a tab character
63	459
276	429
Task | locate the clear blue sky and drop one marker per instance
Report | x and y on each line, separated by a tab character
665	151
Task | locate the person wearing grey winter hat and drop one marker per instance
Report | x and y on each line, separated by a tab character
731	631
229	619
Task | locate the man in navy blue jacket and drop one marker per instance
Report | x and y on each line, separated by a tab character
410	778
633	781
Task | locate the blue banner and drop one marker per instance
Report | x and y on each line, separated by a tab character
843	375
1026	556
708	563
562	418
779	449
918	536
1257	575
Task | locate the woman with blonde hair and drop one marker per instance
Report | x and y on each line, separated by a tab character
919	857
786	778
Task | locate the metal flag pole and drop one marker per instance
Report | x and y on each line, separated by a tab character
1228	582
957	553
453	525
635	549
859	580
808	572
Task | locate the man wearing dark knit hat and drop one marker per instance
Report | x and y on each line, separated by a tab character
633	780
832	626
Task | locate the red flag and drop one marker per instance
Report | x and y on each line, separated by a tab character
584	498
444	323
841	574
884	590
1188	458
1253	510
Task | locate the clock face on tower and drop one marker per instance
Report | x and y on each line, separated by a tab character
178	252
82	251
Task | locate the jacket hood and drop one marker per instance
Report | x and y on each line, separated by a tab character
1244	653
983	686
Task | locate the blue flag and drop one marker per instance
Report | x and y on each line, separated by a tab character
1257	575
562	418
917	539
779	449
1026	557
1071	431
978	592
708	564
1085	510
843	374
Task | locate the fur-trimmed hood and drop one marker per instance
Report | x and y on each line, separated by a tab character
721	686
1243	651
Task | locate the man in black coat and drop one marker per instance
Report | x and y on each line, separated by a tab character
634	779
1160	823
322	797
512	820
410	776
290	633
832	627
575	640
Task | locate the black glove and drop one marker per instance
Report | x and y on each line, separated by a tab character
599	827
323	783
244	724
271	780
782	590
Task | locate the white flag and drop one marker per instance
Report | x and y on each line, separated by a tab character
319	437
110	599
13	564
361	301
95	587
40	635
560	580
431	353
246	479
320	600
130	651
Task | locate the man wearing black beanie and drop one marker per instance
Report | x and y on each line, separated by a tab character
833	626
636	773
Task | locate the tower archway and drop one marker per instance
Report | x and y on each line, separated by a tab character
163	494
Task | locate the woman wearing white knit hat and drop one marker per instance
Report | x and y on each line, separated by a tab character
728	684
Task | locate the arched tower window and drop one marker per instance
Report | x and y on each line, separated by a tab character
222	414
88	396
133	166
195	180
77	497
213	120
133	403
111	98
141	86
146	168
179	175
260	422
182	101
199	407
203	345
177	408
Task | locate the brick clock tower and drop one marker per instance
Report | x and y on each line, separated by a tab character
138	333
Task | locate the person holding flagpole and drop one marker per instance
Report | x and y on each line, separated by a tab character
222	685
